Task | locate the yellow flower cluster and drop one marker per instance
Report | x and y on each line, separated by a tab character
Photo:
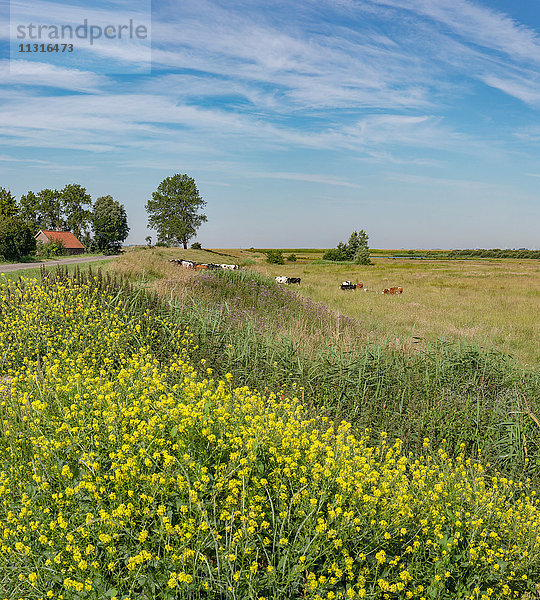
130	477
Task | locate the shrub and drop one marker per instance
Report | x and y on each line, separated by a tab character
275	257
291	258
196	246
337	254
51	249
16	238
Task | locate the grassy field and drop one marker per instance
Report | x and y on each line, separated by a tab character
283	338
490	302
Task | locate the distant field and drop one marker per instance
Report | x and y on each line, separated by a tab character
488	301
419	254
317	253
491	302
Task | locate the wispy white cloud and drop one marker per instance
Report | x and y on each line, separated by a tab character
478	24
466	185
525	89
116	120
335	67
308	177
21	72
487	45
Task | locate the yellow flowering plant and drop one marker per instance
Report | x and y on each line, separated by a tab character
129	474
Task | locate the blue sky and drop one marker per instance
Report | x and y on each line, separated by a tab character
416	120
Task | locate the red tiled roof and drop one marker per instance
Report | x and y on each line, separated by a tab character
66	237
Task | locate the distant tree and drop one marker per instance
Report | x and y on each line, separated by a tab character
43	210
356	249
16	238
29	210
75	206
109	222
275	257
358	239
174	208
50	203
196	246
361	249
362	256
8	204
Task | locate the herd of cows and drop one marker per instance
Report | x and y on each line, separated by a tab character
191	264
346	285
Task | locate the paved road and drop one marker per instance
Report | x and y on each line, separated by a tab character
52	263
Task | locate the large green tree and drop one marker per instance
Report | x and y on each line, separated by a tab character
174	209
109	222
8	204
16	238
67	209
43	210
75	206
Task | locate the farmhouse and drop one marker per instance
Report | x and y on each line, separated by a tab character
67	239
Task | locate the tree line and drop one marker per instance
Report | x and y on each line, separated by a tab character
100	226
494	253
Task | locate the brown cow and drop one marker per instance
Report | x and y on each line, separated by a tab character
393	290
201	267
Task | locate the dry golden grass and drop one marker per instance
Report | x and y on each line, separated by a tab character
491	302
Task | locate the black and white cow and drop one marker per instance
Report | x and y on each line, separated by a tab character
287	280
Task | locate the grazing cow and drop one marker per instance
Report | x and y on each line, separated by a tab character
201	267
212	266
281	279
188	264
348	285
393	290
293	280
229	267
